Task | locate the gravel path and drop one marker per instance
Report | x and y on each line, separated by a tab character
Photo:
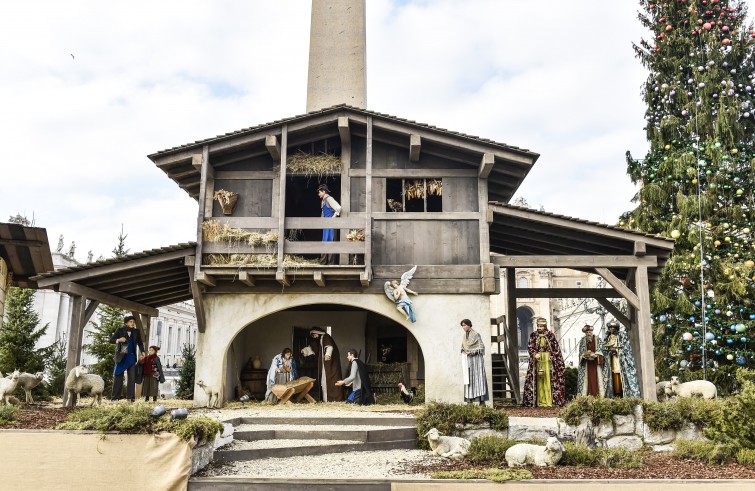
284	443
384	464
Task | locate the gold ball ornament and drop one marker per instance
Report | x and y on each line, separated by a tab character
675	234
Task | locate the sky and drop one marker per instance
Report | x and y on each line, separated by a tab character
89	89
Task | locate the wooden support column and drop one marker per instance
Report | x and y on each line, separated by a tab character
366	276
619	285
484	226
280	274
615	312
345	133
646	360
197	296
75	338
206	185
512	342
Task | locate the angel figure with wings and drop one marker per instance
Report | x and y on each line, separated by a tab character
398	292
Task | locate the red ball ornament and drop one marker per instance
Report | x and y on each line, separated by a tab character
715	2
707	26
668	28
662	20
726	42
699	22
725	28
719	23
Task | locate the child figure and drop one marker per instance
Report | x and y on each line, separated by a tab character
153	374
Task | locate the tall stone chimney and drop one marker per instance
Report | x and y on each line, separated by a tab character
337	54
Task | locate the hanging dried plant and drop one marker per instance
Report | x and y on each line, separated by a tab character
356	235
214	231
224	197
434	187
320	165
416	189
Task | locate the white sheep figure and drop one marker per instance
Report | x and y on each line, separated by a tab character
28	381
8	386
450	447
80	381
211	392
702	388
541	456
660	390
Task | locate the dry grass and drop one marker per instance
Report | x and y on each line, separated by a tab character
356	235
259	260
214	231
309	165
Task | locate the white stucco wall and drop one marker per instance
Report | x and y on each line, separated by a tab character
437	331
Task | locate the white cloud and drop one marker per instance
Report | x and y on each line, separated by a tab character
558	78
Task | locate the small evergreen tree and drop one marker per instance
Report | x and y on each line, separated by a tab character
186	372
57	367
20	334
110	319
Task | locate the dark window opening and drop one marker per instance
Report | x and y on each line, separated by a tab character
414	195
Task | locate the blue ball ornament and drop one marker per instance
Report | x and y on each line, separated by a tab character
689	348
692	318
698	303
718	352
741	360
717	312
729	341
743	339
752	317
663	318
709	336
695	333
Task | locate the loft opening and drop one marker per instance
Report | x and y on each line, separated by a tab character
414	195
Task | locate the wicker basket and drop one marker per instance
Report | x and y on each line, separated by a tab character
230	204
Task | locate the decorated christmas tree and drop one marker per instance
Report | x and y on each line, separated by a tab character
696	181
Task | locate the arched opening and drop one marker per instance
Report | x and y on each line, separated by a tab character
379	339
524	317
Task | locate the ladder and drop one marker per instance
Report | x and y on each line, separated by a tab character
505	387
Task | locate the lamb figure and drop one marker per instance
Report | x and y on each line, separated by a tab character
28	381
524	453
701	388
8	386
450	447
211	392
660	390
80	381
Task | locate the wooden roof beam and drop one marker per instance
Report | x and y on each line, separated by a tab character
246	278
124	266
344	131
557	261
76	289
567	293
486	165
619	285
273	147
415	145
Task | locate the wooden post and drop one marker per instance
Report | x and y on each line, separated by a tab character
646	362
282	198
482	192
512	342
75	337
368	206
204	165
345	133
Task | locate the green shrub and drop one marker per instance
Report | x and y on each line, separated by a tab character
746	456
735	424
135	419
596	408
496	475
450	418
704	450
489	450
8	414
674	414
570	383
615	458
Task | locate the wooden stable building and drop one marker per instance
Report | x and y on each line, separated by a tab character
411	194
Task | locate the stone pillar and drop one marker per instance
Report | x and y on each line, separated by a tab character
337	52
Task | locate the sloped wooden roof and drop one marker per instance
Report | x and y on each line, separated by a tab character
27	252
518	231
153	278
512	164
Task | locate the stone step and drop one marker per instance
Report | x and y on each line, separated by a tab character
296	451
400	421
276	484
377	435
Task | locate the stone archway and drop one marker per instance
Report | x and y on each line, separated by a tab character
436	332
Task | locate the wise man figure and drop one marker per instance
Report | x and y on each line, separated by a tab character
591	378
622	368
544	385
328	363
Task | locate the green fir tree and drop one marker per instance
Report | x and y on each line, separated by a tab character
21	333
109	319
57	367
185	386
697	179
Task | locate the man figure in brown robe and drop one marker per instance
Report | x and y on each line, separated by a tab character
591	378
328	363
